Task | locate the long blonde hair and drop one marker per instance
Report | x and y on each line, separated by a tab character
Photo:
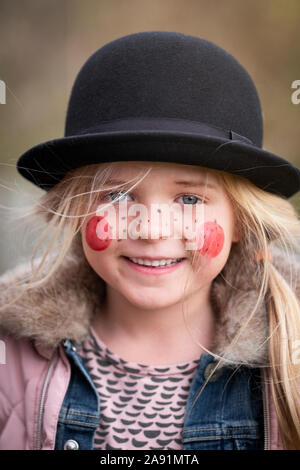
262	218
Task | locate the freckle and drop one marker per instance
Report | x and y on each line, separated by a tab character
140	221
123	218
175	220
124	230
119	240
186	227
158	210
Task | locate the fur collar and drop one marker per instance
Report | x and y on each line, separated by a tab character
64	307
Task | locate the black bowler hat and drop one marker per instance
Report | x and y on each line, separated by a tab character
168	97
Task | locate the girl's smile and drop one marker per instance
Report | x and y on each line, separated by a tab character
158	267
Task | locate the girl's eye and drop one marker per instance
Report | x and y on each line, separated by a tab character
190	199
115	195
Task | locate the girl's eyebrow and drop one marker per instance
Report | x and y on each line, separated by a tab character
111	181
182	183
196	183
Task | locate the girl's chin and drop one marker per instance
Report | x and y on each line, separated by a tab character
144	302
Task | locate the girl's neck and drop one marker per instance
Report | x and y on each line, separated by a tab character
155	337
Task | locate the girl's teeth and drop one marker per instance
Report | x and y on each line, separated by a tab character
155	263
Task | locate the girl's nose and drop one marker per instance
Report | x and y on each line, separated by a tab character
158	224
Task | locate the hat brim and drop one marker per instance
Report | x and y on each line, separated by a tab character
47	163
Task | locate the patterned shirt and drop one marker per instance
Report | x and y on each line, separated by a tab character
141	406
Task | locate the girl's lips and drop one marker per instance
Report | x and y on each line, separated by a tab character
151	270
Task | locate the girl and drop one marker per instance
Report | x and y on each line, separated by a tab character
164	313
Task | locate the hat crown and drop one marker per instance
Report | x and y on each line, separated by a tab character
160	74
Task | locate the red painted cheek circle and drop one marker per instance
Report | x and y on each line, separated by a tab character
213	239
98	237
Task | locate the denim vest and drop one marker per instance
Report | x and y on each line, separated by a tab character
227	415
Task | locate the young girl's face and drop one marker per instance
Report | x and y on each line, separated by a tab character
167	184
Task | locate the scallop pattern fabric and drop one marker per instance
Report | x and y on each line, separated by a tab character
141	406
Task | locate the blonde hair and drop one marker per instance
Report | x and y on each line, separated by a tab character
262	218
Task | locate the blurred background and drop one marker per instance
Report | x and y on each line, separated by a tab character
44	43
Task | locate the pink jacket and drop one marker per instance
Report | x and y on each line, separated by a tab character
36	372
